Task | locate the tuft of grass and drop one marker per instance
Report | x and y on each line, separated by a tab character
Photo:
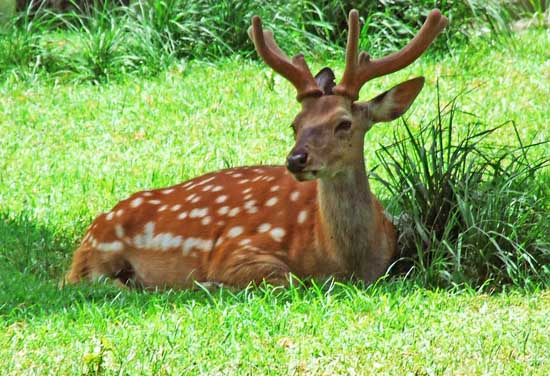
470	209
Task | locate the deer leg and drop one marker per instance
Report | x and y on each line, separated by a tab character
239	265
90	263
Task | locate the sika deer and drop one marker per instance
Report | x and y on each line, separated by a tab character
316	217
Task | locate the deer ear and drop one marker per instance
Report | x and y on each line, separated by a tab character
394	102
325	80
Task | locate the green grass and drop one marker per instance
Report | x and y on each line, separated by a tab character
69	151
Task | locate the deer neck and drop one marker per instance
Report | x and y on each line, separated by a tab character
347	215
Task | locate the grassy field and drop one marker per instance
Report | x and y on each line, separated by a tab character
69	151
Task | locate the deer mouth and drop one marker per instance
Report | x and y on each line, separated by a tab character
306	175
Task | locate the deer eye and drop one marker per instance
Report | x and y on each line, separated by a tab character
343	126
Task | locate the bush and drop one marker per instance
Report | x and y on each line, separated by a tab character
469	211
102	39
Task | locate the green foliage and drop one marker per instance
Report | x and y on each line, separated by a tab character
470	210
106	40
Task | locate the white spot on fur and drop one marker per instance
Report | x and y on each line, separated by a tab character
154	202
207	188
235	231
223	210
136	202
217	188
206	220
182	215
119	231
248	196
272	201
247	190
175	207
237	175
245	242
198	243
147	194
233	212
163	208
243	181
110	247
109	216
302	216
167	191
275	188
277	234
119	212
221	199
196	199
198	213
220	223
257	178
294	196
252	210
264	227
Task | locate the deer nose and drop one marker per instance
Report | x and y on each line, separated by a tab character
296	162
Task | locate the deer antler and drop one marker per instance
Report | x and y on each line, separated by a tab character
296	70
360	69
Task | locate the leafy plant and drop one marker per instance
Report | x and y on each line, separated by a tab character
470	210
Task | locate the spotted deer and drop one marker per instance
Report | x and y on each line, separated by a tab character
314	218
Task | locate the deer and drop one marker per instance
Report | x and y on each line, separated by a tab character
314	218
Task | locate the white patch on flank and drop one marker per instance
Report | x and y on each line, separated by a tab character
302	216
264	227
220	223
119	212
182	215
136	202
221	199
190	197
248	196
275	188
270	178
207	188
252	210
294	196
109	216
243	181
167	191
185	185
237	175
257	178
206	220
272	201
196	199
201	244
175	207
206	180
165	241
219	241
119	231
249	203
198	213
277	234
245	242
163	208
154	202
258	170
217	188
147	194
233	212
235	231
247	190
191	187
110	247
223	210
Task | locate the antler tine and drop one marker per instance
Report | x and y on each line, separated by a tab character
360	69
296	71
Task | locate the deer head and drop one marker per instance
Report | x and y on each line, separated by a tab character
330	128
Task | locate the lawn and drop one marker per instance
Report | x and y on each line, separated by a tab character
71	150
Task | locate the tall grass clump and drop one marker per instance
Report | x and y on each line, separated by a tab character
469	210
